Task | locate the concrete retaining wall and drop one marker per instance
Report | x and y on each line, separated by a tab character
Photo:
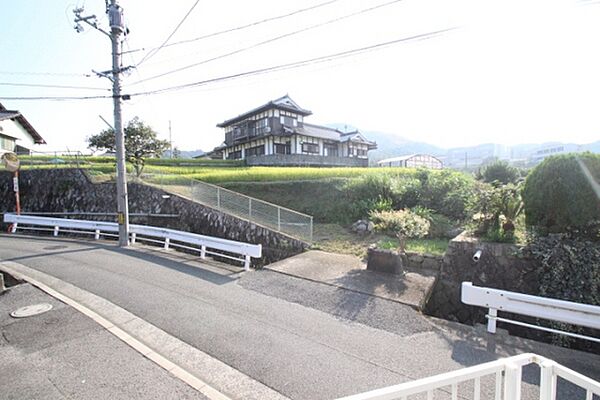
69	190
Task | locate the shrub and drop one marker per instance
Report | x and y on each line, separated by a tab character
447	192
500	172
403	223
559	193
496	211
439	225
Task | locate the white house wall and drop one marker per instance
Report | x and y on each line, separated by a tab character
15	130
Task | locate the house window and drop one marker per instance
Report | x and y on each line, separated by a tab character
234	155
310	148
330	149
7	143
262	126
255	151
282	148
288	121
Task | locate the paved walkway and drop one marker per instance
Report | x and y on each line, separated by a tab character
348	272
301	339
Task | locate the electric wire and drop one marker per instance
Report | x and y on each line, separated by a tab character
51	86
273	39
152	53
45	73
297	64
251	24
281	67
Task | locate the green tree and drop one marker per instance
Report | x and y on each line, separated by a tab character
140	143
562	192
499	173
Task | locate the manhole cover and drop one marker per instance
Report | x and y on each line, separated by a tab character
29	311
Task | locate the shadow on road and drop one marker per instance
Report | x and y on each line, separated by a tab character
210	271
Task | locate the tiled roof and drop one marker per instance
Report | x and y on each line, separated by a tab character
318	131
284	103
8	115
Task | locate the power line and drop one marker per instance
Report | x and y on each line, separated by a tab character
301	63
276	68
285	35
152	53
251	24
56	98
50	86
44	73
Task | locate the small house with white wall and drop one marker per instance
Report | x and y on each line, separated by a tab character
16	133
276	133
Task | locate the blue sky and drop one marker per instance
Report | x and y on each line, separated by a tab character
514	71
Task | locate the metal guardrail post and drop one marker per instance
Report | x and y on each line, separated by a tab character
491	326
310	234
547	381
512	382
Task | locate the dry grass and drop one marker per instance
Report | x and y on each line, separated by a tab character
335	238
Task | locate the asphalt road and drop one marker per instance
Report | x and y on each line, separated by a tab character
303	339
62	354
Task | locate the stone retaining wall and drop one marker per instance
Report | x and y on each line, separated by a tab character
69	190
501	266
393	262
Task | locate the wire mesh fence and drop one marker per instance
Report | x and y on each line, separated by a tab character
270	215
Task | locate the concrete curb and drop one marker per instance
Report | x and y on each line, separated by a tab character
183	361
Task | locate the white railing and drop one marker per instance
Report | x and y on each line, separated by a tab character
506	376
534	306
204	244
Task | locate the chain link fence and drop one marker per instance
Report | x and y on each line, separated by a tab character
270	215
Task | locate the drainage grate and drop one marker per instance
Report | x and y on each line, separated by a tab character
29	311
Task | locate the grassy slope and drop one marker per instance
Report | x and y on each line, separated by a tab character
314	191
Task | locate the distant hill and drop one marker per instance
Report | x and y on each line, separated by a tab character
390	145
393	146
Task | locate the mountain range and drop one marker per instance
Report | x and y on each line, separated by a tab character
390	145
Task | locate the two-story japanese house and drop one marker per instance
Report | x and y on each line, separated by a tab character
276	134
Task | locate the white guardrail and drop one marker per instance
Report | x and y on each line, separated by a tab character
506	374
204	244
534	306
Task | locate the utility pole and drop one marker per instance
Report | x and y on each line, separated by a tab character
117	28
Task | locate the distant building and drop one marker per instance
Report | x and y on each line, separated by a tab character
538	155
412	161
16	133
276	134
